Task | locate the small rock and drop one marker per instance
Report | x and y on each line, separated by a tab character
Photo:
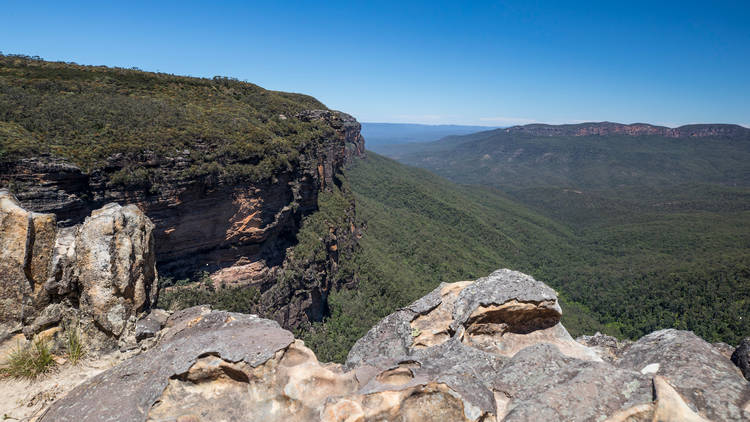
741	357
151	324
650	369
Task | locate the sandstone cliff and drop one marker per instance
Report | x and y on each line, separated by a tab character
488	350
635	129
99	274
236	231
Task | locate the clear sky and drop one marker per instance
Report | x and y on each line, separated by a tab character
488	63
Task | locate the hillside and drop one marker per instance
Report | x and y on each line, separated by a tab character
660	216
420	230
89	113
594	157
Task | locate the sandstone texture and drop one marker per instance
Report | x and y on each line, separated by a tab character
237	232
488	350
99	275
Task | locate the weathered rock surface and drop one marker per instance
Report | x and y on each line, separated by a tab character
489	350
741	357
26	243
707	380
606	347
500	314
238	232
100	273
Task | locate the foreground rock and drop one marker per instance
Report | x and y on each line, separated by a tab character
99	275
489	350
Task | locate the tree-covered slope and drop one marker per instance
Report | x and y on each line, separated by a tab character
86	114
513	160
621	270
660	216
421	230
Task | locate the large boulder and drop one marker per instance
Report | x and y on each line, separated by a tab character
708	381
121	239
100	274
499	314
488	350
210	365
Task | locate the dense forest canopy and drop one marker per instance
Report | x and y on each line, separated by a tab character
86	114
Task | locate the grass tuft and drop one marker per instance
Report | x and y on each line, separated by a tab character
75	350
29	361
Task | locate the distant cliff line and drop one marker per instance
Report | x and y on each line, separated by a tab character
635	129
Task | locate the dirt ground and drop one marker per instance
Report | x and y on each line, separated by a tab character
26	400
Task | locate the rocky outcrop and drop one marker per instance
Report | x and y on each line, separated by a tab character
707	380
635	129
238	232
100	273
489	350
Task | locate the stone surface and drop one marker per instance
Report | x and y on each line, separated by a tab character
151	324
741	357
26	241
416	365
122	238
724	349
540	383
500	314
606	347
100	274
710	384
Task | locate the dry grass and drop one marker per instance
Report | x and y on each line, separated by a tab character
29	361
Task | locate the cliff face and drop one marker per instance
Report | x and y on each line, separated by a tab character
236	231
635	129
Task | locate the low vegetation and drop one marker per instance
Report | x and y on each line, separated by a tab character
29	361
216	128
75	350
185	293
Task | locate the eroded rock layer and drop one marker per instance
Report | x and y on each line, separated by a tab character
489	350
100	273
238	232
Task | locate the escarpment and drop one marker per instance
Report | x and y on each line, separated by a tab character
635	129
237	232
226	170
421	363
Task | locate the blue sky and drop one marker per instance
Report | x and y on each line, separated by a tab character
488	63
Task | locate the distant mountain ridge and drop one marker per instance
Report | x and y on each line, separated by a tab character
634	129
378	134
